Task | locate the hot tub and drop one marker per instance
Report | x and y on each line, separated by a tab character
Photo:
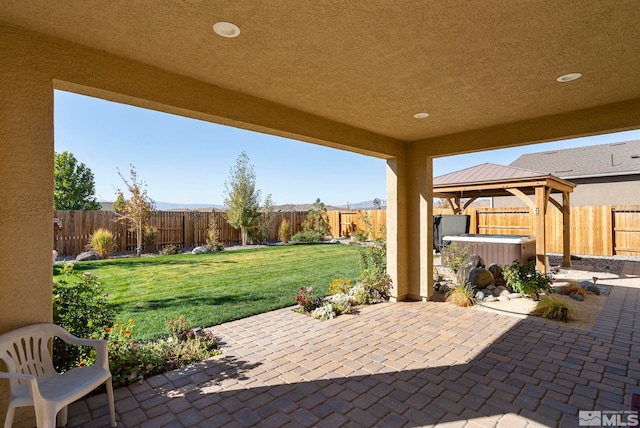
501	249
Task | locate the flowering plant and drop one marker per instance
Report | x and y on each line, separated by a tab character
339	285
307	300
324	312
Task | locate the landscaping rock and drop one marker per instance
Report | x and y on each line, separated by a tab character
496	271
473	261
480	295
585	284
503	298
501	291
491	287
444	289
577	297
593	288
490	299
514	296
199	250
87	255
480	277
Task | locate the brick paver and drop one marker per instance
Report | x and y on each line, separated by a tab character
396	364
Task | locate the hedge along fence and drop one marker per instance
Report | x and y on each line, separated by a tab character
595	230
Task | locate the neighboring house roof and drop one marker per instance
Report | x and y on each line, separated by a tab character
585	162
486	172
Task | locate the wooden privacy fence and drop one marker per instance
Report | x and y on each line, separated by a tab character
73	229
595	230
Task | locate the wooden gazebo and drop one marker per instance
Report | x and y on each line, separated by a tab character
531	187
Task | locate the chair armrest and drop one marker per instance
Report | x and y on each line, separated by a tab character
33	383
100	345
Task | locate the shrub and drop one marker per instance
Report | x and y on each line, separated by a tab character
179	327
339	285
284	231
307	237
149	238
213	234
317	220
80	306
374	277
525	279
359	235
131	361
169	249
307	300
571	289
551	308
102	242
454	256
461	295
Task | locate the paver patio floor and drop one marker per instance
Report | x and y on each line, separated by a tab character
403	364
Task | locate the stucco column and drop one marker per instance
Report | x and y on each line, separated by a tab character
26	192
397	224
410	226
421	225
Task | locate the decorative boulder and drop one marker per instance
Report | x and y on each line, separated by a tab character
585	284
480	277
514	296
490	299
501	291
473	261
444	289
479	295
87	255
577	297
593	288
199	250
503	298
496	270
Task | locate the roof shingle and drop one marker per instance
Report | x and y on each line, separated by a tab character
602	160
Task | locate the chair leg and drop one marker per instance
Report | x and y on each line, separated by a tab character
112	406
62	416
8	420
45	416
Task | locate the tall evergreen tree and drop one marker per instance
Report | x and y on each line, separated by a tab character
73	184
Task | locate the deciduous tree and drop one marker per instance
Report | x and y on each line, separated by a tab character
137	208
241	197
73	184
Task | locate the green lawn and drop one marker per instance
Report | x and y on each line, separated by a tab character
210	289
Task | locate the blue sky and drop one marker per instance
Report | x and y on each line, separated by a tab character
187	161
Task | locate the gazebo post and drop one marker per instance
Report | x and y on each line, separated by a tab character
541	239
566	230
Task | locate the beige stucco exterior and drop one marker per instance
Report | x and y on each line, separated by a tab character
619	190
34	64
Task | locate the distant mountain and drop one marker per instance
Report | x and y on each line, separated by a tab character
366	205
172	206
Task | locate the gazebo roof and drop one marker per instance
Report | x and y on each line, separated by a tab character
489	179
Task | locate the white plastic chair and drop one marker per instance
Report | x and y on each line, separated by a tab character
34	382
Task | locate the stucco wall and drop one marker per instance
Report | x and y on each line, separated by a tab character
26	192
622	190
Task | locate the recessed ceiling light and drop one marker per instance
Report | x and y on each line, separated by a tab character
421	115
569	77
226	29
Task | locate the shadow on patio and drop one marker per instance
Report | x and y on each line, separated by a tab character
395	364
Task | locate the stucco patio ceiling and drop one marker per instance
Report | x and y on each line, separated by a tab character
372	66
